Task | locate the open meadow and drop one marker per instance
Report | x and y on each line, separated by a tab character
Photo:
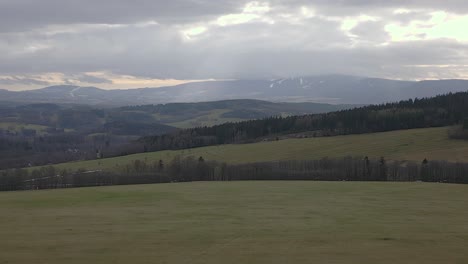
414	144
238	222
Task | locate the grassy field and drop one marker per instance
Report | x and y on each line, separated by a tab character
212	118
17	127
416	144
238	222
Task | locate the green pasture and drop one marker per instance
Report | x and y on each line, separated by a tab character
415	144
238	222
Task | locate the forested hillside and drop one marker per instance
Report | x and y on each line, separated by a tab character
37	134
77	132
444	110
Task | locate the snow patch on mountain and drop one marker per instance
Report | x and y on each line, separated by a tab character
72	92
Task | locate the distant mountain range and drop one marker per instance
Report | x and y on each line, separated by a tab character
335	89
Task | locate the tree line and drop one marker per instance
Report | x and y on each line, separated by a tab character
192	169
443	110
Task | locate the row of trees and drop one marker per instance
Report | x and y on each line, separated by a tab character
442	110
191	169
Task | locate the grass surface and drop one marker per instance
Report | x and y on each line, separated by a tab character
17	127
238	222
416	144
212	118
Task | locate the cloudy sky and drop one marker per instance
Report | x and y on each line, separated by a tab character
151	43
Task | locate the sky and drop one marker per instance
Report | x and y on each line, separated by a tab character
116	44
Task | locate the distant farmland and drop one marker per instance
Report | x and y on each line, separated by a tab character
238	222
415	144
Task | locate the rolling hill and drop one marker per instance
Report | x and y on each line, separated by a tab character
45	133
444	110
414	144
185	115
182	115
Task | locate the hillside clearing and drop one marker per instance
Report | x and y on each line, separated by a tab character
214	117
13	127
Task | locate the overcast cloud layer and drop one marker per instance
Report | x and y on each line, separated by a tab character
145	43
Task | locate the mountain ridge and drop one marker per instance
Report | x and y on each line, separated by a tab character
331	89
